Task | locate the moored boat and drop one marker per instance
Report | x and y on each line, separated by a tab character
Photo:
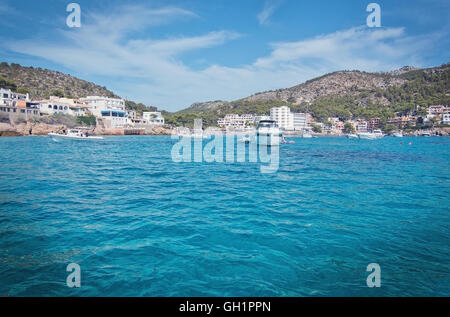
375	134
74	134
268	133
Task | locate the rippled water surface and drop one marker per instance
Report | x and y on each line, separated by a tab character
139	224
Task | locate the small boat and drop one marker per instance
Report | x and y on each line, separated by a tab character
268	133
352	136
306	134
426	134
398	134
74	134
284	141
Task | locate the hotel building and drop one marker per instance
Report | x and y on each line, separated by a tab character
111	111
98	104
283	117
236	121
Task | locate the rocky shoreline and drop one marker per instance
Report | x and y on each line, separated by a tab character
28	128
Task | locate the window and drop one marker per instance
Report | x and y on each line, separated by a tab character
55	107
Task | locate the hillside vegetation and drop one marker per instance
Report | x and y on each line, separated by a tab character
345	94
42	83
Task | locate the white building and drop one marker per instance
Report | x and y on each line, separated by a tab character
260	118
283	117
153	117
114	118
53	107
300	121
10	98
98	104
17	104
68	106
236	121
446	118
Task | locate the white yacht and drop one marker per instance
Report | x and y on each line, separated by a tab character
268	133
375	134
398	134
77	134
352	136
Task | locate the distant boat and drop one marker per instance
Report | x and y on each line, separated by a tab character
352	136
398	134
74	134
375	134
426	134
306	134
284	141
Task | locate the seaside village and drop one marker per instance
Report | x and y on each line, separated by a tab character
113	119
296	123
110	114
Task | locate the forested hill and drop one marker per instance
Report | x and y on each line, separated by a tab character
41	83
344	94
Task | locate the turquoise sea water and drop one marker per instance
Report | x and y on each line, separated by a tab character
139	224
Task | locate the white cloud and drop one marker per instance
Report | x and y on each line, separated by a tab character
152	70
267	11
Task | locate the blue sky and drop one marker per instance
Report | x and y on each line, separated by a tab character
173	53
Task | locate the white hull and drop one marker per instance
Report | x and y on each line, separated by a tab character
398	135
367	136
370	136
73	137
352	136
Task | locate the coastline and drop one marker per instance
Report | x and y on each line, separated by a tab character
40	128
